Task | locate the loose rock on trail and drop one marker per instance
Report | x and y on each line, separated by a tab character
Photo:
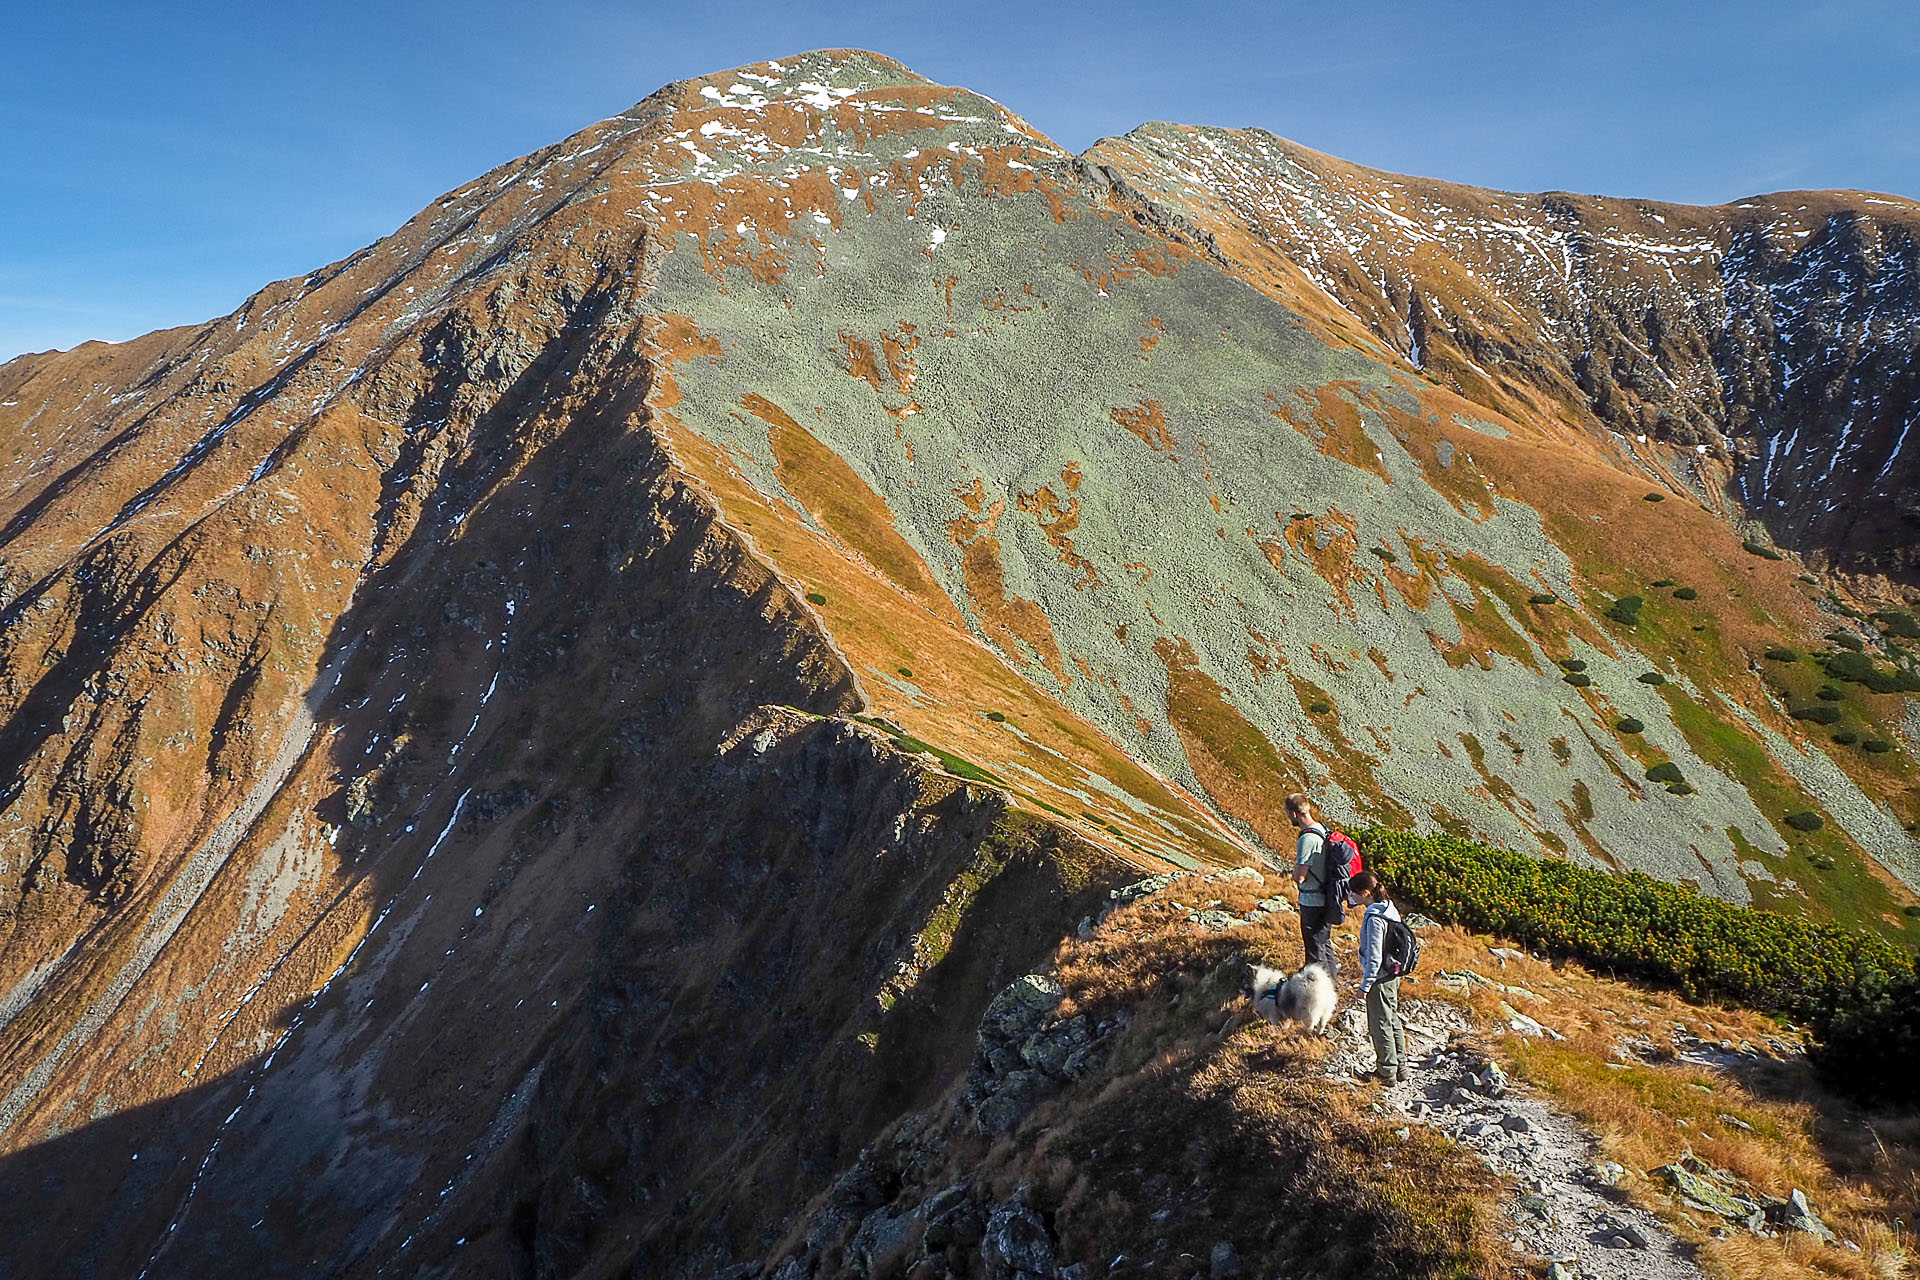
1562	1207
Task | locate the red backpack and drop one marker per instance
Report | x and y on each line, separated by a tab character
1343	864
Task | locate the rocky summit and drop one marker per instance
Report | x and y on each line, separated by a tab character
524	750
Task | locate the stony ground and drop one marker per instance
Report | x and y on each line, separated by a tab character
1563	1205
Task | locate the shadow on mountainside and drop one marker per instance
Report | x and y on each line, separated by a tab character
604	956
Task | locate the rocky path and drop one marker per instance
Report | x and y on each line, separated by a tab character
1564	1208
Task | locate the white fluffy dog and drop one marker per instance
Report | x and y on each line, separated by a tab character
1306	997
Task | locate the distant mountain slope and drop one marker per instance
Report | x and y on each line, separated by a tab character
792	544
1764	355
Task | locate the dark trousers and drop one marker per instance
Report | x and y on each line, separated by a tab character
1316	934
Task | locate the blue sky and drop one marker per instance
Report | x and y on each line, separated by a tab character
160	162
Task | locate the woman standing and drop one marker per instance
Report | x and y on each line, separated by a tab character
1381	988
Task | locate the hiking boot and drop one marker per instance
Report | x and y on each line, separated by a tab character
1400	1076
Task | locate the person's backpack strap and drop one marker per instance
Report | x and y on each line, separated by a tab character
1322	830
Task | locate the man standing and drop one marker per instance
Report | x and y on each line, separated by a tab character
1310	878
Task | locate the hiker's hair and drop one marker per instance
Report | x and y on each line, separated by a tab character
1297	803
1368	883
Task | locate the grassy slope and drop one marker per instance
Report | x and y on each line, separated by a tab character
1197	1124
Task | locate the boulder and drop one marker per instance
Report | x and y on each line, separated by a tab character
1019	1009
1051	1048
1798	1215
1224	1262
952	1218
1011	1097
1213	919
1703	1193
884	1239
1017	1245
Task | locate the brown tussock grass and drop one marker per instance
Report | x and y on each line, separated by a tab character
1647	1108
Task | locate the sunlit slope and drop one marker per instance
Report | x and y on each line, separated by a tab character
1173	506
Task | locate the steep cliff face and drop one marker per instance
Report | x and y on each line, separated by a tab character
530	743
1762	354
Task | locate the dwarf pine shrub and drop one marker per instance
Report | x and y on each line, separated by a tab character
1636	925
1686	593
1626	610
1780	653
1899	622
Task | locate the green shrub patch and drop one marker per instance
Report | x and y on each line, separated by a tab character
1319	708
814	597
1760	549
1845	640
1578	679
1818	715
1627	724
1664	582
1634	924
1827	693
1845	737
1879	746
1651	677
1868	1047
1543	597
1780	653
1899	622
1805	820
1574	664
1858	668
1686	593
1665	771
1656	497
1626	610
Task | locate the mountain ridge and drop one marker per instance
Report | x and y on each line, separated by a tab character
810	486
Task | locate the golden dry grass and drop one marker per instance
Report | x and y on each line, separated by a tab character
1228	1129
1617	1073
